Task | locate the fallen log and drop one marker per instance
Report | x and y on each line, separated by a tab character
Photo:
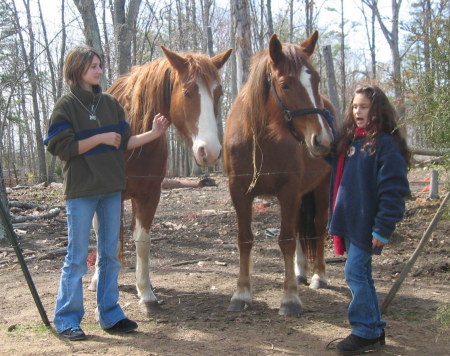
172	183
51	214
24	205
190	262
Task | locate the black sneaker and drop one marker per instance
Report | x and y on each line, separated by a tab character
354	345
73	334
382	338
122	326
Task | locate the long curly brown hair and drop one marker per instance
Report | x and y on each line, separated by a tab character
382	118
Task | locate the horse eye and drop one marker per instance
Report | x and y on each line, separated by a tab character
284	86
186	94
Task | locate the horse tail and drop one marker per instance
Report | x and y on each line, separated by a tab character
307	227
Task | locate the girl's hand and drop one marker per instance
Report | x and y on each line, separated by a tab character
376	242
160	124
111	139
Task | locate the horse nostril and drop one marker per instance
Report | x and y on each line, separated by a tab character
316	142
201	152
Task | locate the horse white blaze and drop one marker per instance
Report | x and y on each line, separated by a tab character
206	145
143	283
324	138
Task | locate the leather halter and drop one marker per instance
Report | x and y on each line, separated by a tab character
290	114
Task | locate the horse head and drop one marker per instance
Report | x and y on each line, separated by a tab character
192	94
295	91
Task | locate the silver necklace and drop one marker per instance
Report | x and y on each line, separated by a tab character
91	112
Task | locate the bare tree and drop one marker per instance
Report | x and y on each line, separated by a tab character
342	67
56	74
124	29
309	12
91	30
269	18
392	38
241	30
29	60
370	32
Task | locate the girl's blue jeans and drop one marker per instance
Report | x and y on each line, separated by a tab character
363	312
69	308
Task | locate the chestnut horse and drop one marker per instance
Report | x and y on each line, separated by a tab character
275	136
186	89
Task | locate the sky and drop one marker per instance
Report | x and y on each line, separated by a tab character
356	35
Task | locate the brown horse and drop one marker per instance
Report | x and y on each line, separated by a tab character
271	150
186	89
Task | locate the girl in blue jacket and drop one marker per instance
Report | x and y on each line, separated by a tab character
367	200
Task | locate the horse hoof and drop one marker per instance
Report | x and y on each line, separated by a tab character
150	307
316	284
302	280
290	309
236	306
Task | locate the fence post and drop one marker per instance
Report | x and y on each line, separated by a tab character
434	185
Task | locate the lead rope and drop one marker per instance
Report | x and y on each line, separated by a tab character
256	172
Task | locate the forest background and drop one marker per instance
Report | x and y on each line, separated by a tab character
402	46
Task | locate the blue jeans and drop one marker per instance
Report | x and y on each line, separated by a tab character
69	308
363	312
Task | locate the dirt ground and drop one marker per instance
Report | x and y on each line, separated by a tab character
194	268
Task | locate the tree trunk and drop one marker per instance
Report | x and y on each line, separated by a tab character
332	87
91	30
342	66
269	18
4	201
370	33
108	72
29	61
240	19
393	41
309	12
124	27
86	9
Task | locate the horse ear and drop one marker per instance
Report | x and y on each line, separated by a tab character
275	49
220	59
178	62
309	45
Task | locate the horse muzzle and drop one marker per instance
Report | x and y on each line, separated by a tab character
206	155
319	145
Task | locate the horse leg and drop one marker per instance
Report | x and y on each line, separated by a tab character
144	210
321	196
93	284
243	295
301	264
290	302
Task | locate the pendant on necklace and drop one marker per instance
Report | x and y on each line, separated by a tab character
92	117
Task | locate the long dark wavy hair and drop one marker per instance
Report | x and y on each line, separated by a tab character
382	118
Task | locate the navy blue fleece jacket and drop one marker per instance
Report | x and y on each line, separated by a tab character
371	196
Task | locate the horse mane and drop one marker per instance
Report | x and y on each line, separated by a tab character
141	92
255	92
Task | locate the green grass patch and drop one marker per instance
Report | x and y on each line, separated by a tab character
407	314
442	316
34	328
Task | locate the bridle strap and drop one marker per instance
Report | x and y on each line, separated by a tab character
290	114
167	88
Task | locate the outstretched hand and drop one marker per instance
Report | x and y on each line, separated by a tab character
160	124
